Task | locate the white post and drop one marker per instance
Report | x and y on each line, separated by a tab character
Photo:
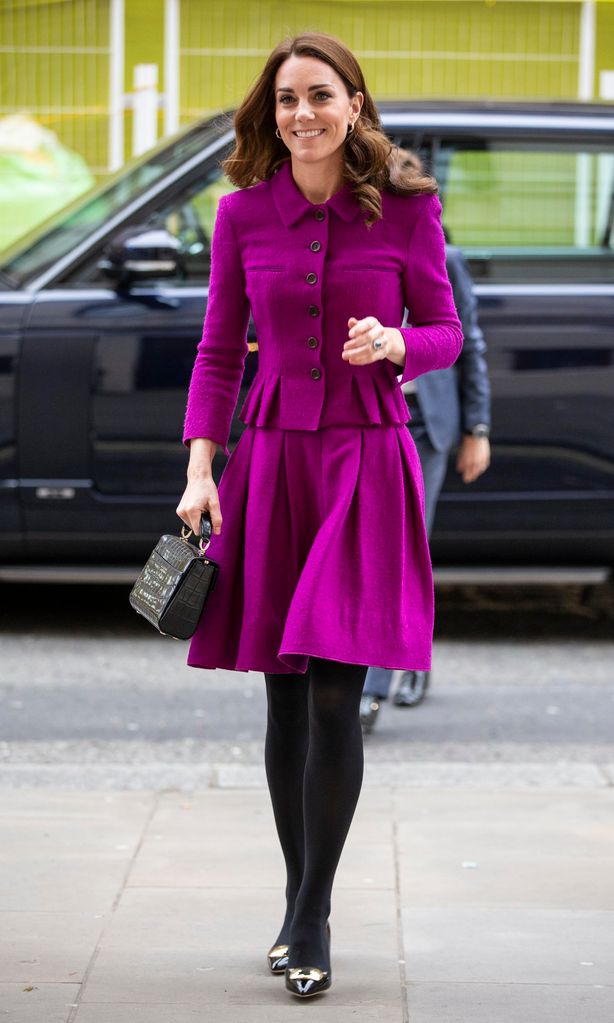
584	163
586	62
116	85
144	107
171	67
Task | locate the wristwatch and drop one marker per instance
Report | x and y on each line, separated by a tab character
479	430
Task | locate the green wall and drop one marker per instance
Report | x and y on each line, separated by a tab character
508	49
604	40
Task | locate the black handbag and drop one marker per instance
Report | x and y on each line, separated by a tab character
172	589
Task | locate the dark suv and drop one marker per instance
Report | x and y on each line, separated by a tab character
103	308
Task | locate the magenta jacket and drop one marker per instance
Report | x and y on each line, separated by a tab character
304	269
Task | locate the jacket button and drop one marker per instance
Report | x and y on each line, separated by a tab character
315	246
315	373
312	342
311	278
313	310
319	214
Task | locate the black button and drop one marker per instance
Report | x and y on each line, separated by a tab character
311	278
315	246
319	214
316	374
312	342
313	310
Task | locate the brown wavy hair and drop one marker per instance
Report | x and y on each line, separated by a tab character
372	163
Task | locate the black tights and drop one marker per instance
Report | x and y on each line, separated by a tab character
314	765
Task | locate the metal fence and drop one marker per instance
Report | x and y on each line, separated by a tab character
423	49
63	60
62	63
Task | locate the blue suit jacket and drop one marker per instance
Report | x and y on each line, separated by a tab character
456	399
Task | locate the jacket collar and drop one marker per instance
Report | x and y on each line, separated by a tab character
292	205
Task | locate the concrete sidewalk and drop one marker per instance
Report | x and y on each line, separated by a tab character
454	903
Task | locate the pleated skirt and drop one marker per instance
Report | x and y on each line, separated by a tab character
322	553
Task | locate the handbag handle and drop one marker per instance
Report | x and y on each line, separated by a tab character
206	529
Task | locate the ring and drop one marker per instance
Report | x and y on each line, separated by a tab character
378	343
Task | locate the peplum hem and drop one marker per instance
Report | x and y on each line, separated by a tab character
366	400
262	406
382	403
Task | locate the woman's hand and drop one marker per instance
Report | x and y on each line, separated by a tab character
200	495
359	350
201	492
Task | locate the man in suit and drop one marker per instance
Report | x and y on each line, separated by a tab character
446	406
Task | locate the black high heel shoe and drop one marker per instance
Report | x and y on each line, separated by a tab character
277	958
306	981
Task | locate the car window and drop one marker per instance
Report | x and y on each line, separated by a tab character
188	215
509	201
39	249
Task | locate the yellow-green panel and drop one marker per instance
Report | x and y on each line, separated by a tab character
455	48
604	40
422	48
55	67
524	198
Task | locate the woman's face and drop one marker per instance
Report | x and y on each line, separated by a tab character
312	108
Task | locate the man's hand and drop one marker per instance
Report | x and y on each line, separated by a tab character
473	457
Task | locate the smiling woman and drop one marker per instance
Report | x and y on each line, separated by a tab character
314	84
331	242
313	120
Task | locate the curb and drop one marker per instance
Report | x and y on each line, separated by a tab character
159	775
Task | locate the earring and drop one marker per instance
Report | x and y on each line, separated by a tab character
350	128
277	133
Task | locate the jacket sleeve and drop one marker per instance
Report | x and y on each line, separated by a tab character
474	384
218	368
435	338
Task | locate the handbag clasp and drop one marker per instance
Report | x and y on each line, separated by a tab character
202	546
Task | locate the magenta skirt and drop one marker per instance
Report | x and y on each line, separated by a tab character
323	553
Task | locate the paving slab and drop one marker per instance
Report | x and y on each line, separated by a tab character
483	902
37	1003
551	849
508	944
326	1007
470	874
507	887
506	1003
84	807
172	946
228	839
47	947
70	855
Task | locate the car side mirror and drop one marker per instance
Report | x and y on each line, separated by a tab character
142	253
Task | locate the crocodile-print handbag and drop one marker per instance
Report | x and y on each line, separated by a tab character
172	589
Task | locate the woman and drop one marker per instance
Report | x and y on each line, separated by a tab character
324	563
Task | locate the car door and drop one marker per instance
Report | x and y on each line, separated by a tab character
531	213
111	368
15	307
